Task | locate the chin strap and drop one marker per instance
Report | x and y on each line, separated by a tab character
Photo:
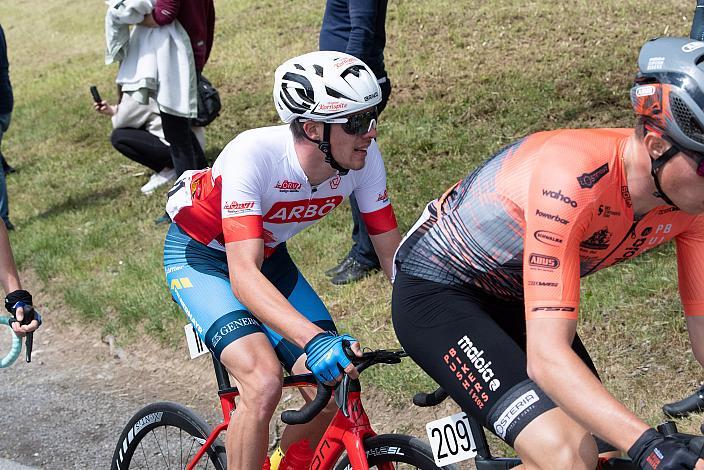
655	165
326	148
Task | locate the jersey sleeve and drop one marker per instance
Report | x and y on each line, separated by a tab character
690	259
557	213
242	189
372	194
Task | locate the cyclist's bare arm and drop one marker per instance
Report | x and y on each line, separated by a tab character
557	369
9	278
385	245
253	289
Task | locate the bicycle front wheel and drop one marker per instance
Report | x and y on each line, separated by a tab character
388	451
166	435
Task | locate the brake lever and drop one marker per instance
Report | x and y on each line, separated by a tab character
341	395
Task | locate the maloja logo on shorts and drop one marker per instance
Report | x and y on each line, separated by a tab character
513	411
286	212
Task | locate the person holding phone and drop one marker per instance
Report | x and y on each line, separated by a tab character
138	135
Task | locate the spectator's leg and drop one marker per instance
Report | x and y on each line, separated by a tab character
4	200
200	152
142	147
385	93
177	131
362	249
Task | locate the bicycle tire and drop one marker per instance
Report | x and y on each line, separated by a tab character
396	449
166	435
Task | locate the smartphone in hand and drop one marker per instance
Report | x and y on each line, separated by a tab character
96	95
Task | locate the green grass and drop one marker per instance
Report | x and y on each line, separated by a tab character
468	78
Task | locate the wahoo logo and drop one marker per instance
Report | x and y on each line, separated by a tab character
559	196
286	212
474	355
588	180
543	261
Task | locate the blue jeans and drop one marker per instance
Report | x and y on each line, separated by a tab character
4	203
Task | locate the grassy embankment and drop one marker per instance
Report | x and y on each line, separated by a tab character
468	78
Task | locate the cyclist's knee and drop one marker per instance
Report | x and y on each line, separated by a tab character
565	444
260	392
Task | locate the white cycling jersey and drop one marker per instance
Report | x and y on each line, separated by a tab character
257	189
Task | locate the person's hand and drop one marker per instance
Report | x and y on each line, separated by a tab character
104	108
326	356
149	22
654	451
19	304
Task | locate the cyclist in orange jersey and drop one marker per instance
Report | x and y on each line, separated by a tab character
486	294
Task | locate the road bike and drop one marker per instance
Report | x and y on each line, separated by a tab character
167	435
484	460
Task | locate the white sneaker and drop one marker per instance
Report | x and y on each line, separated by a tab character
159	179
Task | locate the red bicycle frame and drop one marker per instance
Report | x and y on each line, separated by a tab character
344	432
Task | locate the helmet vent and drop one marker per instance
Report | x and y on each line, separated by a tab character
318	70
336	94
686	120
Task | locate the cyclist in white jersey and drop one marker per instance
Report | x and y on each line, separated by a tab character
225	254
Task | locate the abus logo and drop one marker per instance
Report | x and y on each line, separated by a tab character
549	238
288	186
645	90
559	196
234	205
285	212
543	261
480	364
556	218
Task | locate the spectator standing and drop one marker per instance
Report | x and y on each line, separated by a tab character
137	134
357	27
198	19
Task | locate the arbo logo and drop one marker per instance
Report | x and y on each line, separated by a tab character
285	212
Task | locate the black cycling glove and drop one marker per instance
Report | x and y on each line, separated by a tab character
17	296
653	451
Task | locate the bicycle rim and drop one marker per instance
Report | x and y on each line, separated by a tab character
165	436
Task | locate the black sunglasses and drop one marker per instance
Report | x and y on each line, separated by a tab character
360	124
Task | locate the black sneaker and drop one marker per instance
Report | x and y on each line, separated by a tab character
344	262
9	225
8	169
354	271
692	404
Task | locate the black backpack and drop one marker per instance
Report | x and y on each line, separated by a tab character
208	103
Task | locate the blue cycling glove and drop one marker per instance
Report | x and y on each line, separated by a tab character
326	355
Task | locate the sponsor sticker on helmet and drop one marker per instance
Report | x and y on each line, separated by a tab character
692	46
655	63
645	90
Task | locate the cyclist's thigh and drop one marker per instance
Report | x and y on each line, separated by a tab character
198	280
449	334
283	273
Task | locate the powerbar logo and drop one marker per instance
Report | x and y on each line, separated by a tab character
146	421
513	411
556	218
543	261
480	364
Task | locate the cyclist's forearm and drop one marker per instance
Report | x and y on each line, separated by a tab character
385	245
575	389
260	296
9	278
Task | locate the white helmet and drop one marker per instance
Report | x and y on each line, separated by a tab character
323	86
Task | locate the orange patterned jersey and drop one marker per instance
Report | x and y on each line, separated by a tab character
540	214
